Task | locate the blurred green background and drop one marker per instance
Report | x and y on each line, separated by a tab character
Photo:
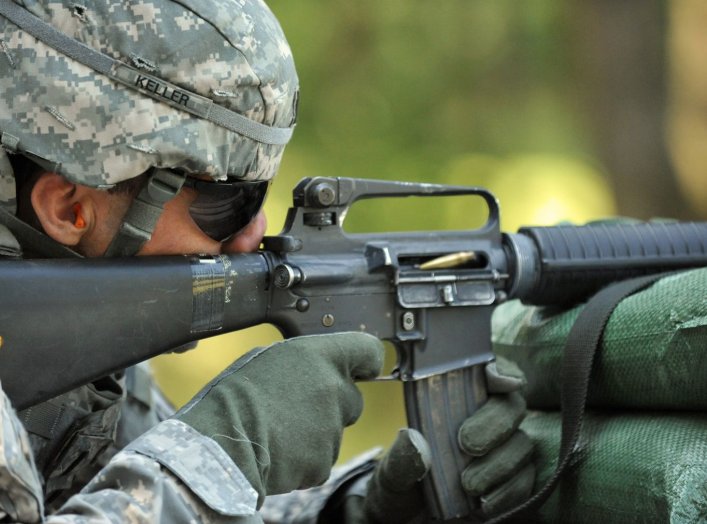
561	108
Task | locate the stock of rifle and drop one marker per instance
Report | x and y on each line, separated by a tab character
66	322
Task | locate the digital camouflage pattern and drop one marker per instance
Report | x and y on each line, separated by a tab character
7	183
74	435
192	480
170	474
306	506
97	132
22	499
201	464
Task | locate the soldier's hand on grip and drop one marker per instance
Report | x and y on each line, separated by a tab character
500	472
280	411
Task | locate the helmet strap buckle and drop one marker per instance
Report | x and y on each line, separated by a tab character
140	220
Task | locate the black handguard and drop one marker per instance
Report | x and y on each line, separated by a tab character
64	323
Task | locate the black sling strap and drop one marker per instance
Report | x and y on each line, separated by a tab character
583	342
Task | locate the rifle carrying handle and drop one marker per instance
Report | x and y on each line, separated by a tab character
437	406
574	262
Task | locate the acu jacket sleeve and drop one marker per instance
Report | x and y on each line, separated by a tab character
170	474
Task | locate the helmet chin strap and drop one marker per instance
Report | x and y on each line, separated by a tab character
140	220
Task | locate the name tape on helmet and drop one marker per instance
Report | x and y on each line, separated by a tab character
161	90
149	85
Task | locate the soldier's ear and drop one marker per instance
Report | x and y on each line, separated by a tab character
64	209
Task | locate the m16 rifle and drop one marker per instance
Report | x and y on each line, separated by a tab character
67	322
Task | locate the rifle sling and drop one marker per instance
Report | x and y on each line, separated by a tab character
583	342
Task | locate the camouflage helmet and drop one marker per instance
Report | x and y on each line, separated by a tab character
101	90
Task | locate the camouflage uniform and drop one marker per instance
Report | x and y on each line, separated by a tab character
75	434
171	473
50	452
100	92
208	89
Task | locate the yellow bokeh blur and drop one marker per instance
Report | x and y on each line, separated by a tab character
535	190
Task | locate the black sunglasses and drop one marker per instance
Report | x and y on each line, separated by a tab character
223	209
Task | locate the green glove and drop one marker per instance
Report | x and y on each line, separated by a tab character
279	412
500	472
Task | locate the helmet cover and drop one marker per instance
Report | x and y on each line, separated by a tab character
98	129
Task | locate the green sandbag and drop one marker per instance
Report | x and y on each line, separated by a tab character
654	352
648	467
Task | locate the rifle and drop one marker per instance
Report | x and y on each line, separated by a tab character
67	322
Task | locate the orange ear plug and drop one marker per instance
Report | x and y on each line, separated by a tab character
78	221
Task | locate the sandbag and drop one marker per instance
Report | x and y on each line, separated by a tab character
653	356
630	468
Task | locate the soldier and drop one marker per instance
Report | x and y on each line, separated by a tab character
143	128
